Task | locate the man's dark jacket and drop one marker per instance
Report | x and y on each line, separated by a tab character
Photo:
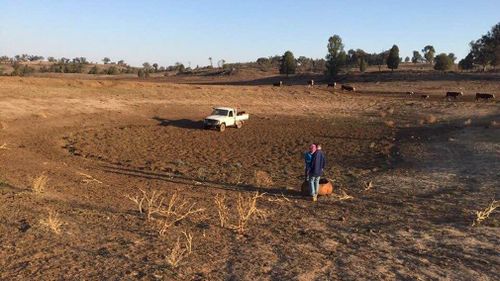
318	163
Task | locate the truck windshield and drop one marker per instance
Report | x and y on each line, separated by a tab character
217	111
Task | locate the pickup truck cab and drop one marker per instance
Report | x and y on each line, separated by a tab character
223	117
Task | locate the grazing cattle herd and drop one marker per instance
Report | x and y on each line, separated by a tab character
449	95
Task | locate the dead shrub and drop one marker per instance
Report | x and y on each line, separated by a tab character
222	209
180	251
52	222
153	202
262	179
485	213
343	196
174	212
39	183
246	210
164	215
201	174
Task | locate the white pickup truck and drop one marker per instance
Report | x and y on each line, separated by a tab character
223	117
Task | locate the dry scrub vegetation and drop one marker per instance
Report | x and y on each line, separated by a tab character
52	222
486	212
164	214
180	251
39	183
263	179
246	210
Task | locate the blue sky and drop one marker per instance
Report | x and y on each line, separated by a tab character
191	31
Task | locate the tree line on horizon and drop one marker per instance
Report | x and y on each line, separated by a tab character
484	52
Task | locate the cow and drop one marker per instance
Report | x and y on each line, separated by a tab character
331	85
454	94
424	96
310	83
348	88
279	84
484	96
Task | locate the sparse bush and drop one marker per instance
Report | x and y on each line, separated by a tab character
174	212
246	209
39	183
166	214
222	209
262	179
180	251
52	222
153	202
486	212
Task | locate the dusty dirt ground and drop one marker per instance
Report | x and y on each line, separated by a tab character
432	164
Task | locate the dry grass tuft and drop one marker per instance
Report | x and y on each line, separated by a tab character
4	146
390	123
246	210
344	196
430	119
222	209
262	179
52	222
368	185
484	214
89	178
39	183
180	251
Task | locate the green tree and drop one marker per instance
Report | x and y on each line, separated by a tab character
443	62
93	70
288	64
362	64
407	59
112	70
106	60
393	58
429	53
467	63
155	66
336	57
452	57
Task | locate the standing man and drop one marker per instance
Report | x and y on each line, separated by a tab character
308	158
318	163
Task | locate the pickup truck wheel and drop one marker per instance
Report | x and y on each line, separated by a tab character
222	127
239	124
